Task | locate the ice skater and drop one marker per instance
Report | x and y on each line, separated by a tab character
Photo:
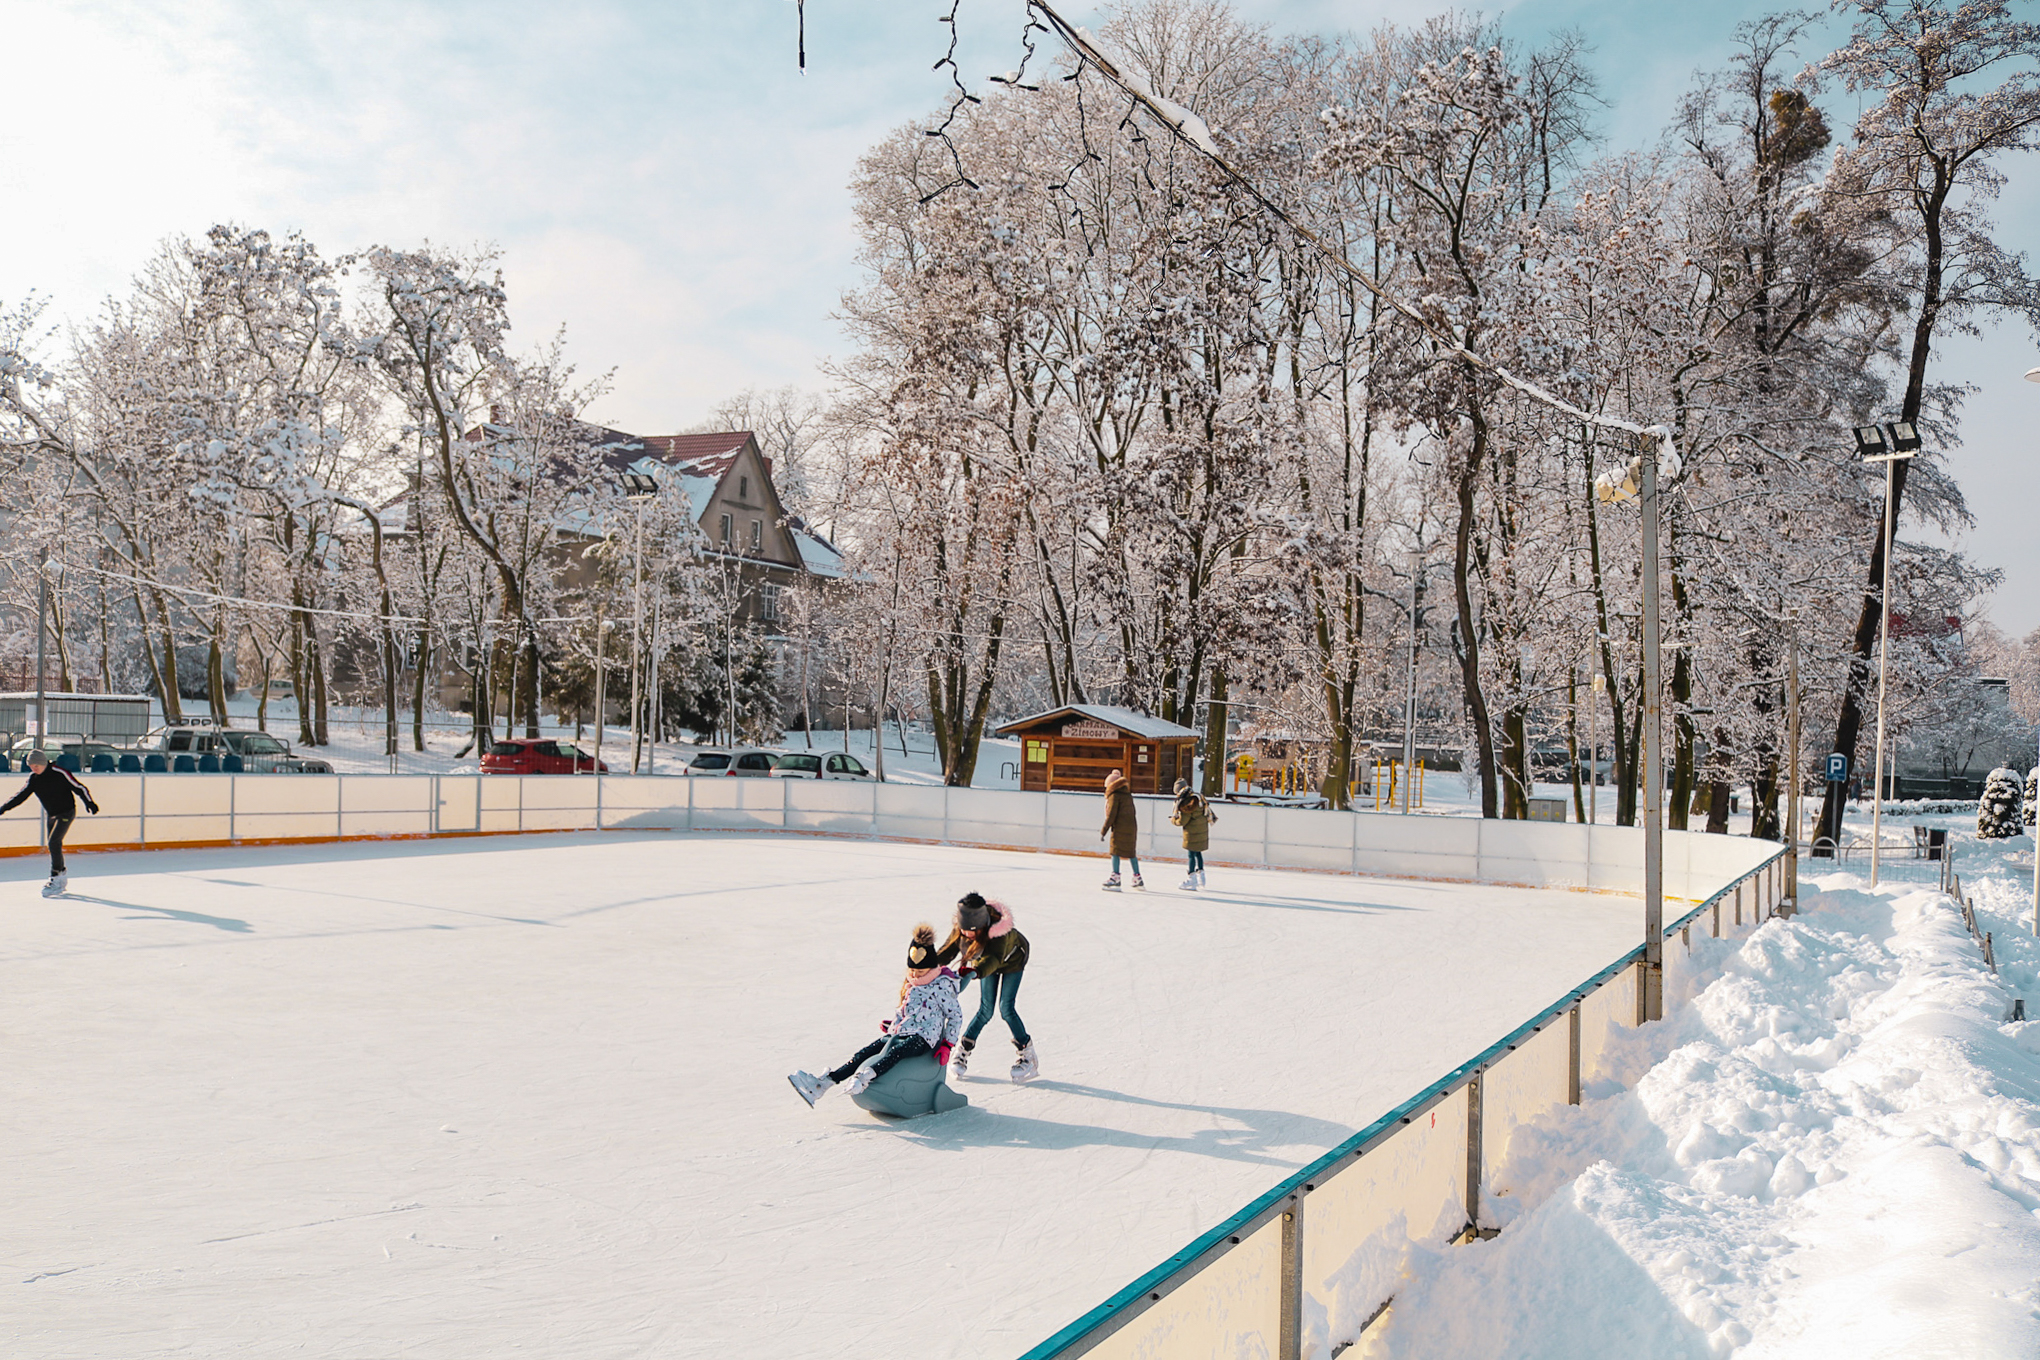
928	1021
1195	816
1123	826
59	791
995	954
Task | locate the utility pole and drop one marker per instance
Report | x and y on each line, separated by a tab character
1792	762
601	625
1409	732
1884	444
1653	998
42	613
1594	742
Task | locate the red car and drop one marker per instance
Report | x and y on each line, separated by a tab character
539	755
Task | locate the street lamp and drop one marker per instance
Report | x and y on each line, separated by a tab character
2033	376
1409	738
1639	480
1885	444
642	488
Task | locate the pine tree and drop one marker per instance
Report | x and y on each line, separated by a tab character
1997	814
2032	794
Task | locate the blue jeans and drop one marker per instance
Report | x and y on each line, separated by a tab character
1196	861
998	990
1136	864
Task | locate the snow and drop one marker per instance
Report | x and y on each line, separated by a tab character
1834	1149
456	1098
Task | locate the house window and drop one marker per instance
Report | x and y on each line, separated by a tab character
743	488
757	534
768	603
726	531
1037	753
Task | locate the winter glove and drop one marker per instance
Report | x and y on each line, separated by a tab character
885	1027
92	807
942	1055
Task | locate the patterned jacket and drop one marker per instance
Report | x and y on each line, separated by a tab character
930	1011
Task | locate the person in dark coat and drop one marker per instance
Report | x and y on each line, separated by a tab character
1195	816
59	791
995	954
1122	824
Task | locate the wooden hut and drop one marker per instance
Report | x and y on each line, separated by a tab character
1076	746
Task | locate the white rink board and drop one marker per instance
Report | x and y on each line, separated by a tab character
472	1097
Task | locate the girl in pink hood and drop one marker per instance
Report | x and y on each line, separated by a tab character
996	954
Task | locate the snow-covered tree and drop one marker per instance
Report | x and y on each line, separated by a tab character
1997	813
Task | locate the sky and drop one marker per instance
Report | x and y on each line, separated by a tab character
664	182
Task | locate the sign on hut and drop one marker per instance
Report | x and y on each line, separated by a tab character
1076	746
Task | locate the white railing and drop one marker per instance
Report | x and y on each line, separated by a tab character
212	809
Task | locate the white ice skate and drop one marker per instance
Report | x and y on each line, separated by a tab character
810	1087
55	887
1202	882
1189	884
1112	884
1029	1065
959	1061
1139	884
860	1079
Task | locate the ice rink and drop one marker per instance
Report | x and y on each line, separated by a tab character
468	1098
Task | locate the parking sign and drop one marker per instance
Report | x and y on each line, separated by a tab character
1837	768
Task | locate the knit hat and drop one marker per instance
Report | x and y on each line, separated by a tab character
37	757
921	953
1182	786
972	913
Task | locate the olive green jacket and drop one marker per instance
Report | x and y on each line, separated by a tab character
1121	823
1195	816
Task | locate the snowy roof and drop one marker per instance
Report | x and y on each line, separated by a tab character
1126	719
817	554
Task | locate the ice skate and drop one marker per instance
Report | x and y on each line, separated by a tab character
1189	884
1199	876
860	1079
1138	884
1029	1065
810	1087
959	1061
1112	883
55	887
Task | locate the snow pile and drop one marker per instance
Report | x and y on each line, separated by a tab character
1834	1149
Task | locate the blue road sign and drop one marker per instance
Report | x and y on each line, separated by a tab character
1837	768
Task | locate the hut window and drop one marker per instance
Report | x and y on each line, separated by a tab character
1141	755
1037	753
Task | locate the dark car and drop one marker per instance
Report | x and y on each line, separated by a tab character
539	755
260	753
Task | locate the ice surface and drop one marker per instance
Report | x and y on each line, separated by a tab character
460	1099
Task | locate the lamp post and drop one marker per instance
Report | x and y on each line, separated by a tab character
1409	732
1792	763
1640	481
42	628
2033	376
1884	444
641	488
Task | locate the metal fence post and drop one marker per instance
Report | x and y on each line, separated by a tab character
1572	1061
1289	1345
1473	1104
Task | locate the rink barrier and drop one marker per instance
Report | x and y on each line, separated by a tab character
1423	1173
163	810
1307	1267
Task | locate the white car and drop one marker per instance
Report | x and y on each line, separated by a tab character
820	765
743	762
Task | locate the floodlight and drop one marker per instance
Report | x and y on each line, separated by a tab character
1905	436
640	484
1869	440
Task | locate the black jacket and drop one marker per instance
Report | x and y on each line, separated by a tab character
54	786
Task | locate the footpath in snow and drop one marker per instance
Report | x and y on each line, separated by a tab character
1833	1150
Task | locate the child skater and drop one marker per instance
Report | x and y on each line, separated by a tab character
1122	824
927	1021
996	954
1195	816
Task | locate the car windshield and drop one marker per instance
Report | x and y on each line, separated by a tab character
809	763
258	744
711	760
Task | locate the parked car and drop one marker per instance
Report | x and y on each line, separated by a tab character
539	755
260	753
744	762
820	765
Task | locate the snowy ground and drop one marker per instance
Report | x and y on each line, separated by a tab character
1834	1151
458	1099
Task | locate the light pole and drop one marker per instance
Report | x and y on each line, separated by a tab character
601	699
1884	444
1409	732
1640	481
1792	763
1600	687
42	628
2033	376
642	488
